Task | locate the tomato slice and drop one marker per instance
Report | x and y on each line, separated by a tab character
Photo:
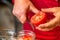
38	18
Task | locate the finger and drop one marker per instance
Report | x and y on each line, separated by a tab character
22	19
44	29
33	8
42	26
49	10
53	23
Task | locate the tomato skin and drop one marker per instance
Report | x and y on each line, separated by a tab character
38	19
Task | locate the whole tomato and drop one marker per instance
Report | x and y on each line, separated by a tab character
38	19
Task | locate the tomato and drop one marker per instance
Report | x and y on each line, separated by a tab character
27	37
38	19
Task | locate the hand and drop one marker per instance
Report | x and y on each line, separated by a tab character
21	7
52	23
19	10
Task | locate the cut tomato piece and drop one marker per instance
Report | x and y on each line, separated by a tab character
27	38
38	18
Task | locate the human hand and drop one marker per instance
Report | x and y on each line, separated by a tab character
52	23
21	7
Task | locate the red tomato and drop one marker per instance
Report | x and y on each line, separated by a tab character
38	19
27	38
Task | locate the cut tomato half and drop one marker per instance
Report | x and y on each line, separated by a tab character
38	18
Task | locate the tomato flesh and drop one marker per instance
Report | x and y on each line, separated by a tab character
38	18
27	38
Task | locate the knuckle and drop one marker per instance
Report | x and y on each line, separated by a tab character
13	12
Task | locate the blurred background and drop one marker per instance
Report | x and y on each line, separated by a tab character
9	25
